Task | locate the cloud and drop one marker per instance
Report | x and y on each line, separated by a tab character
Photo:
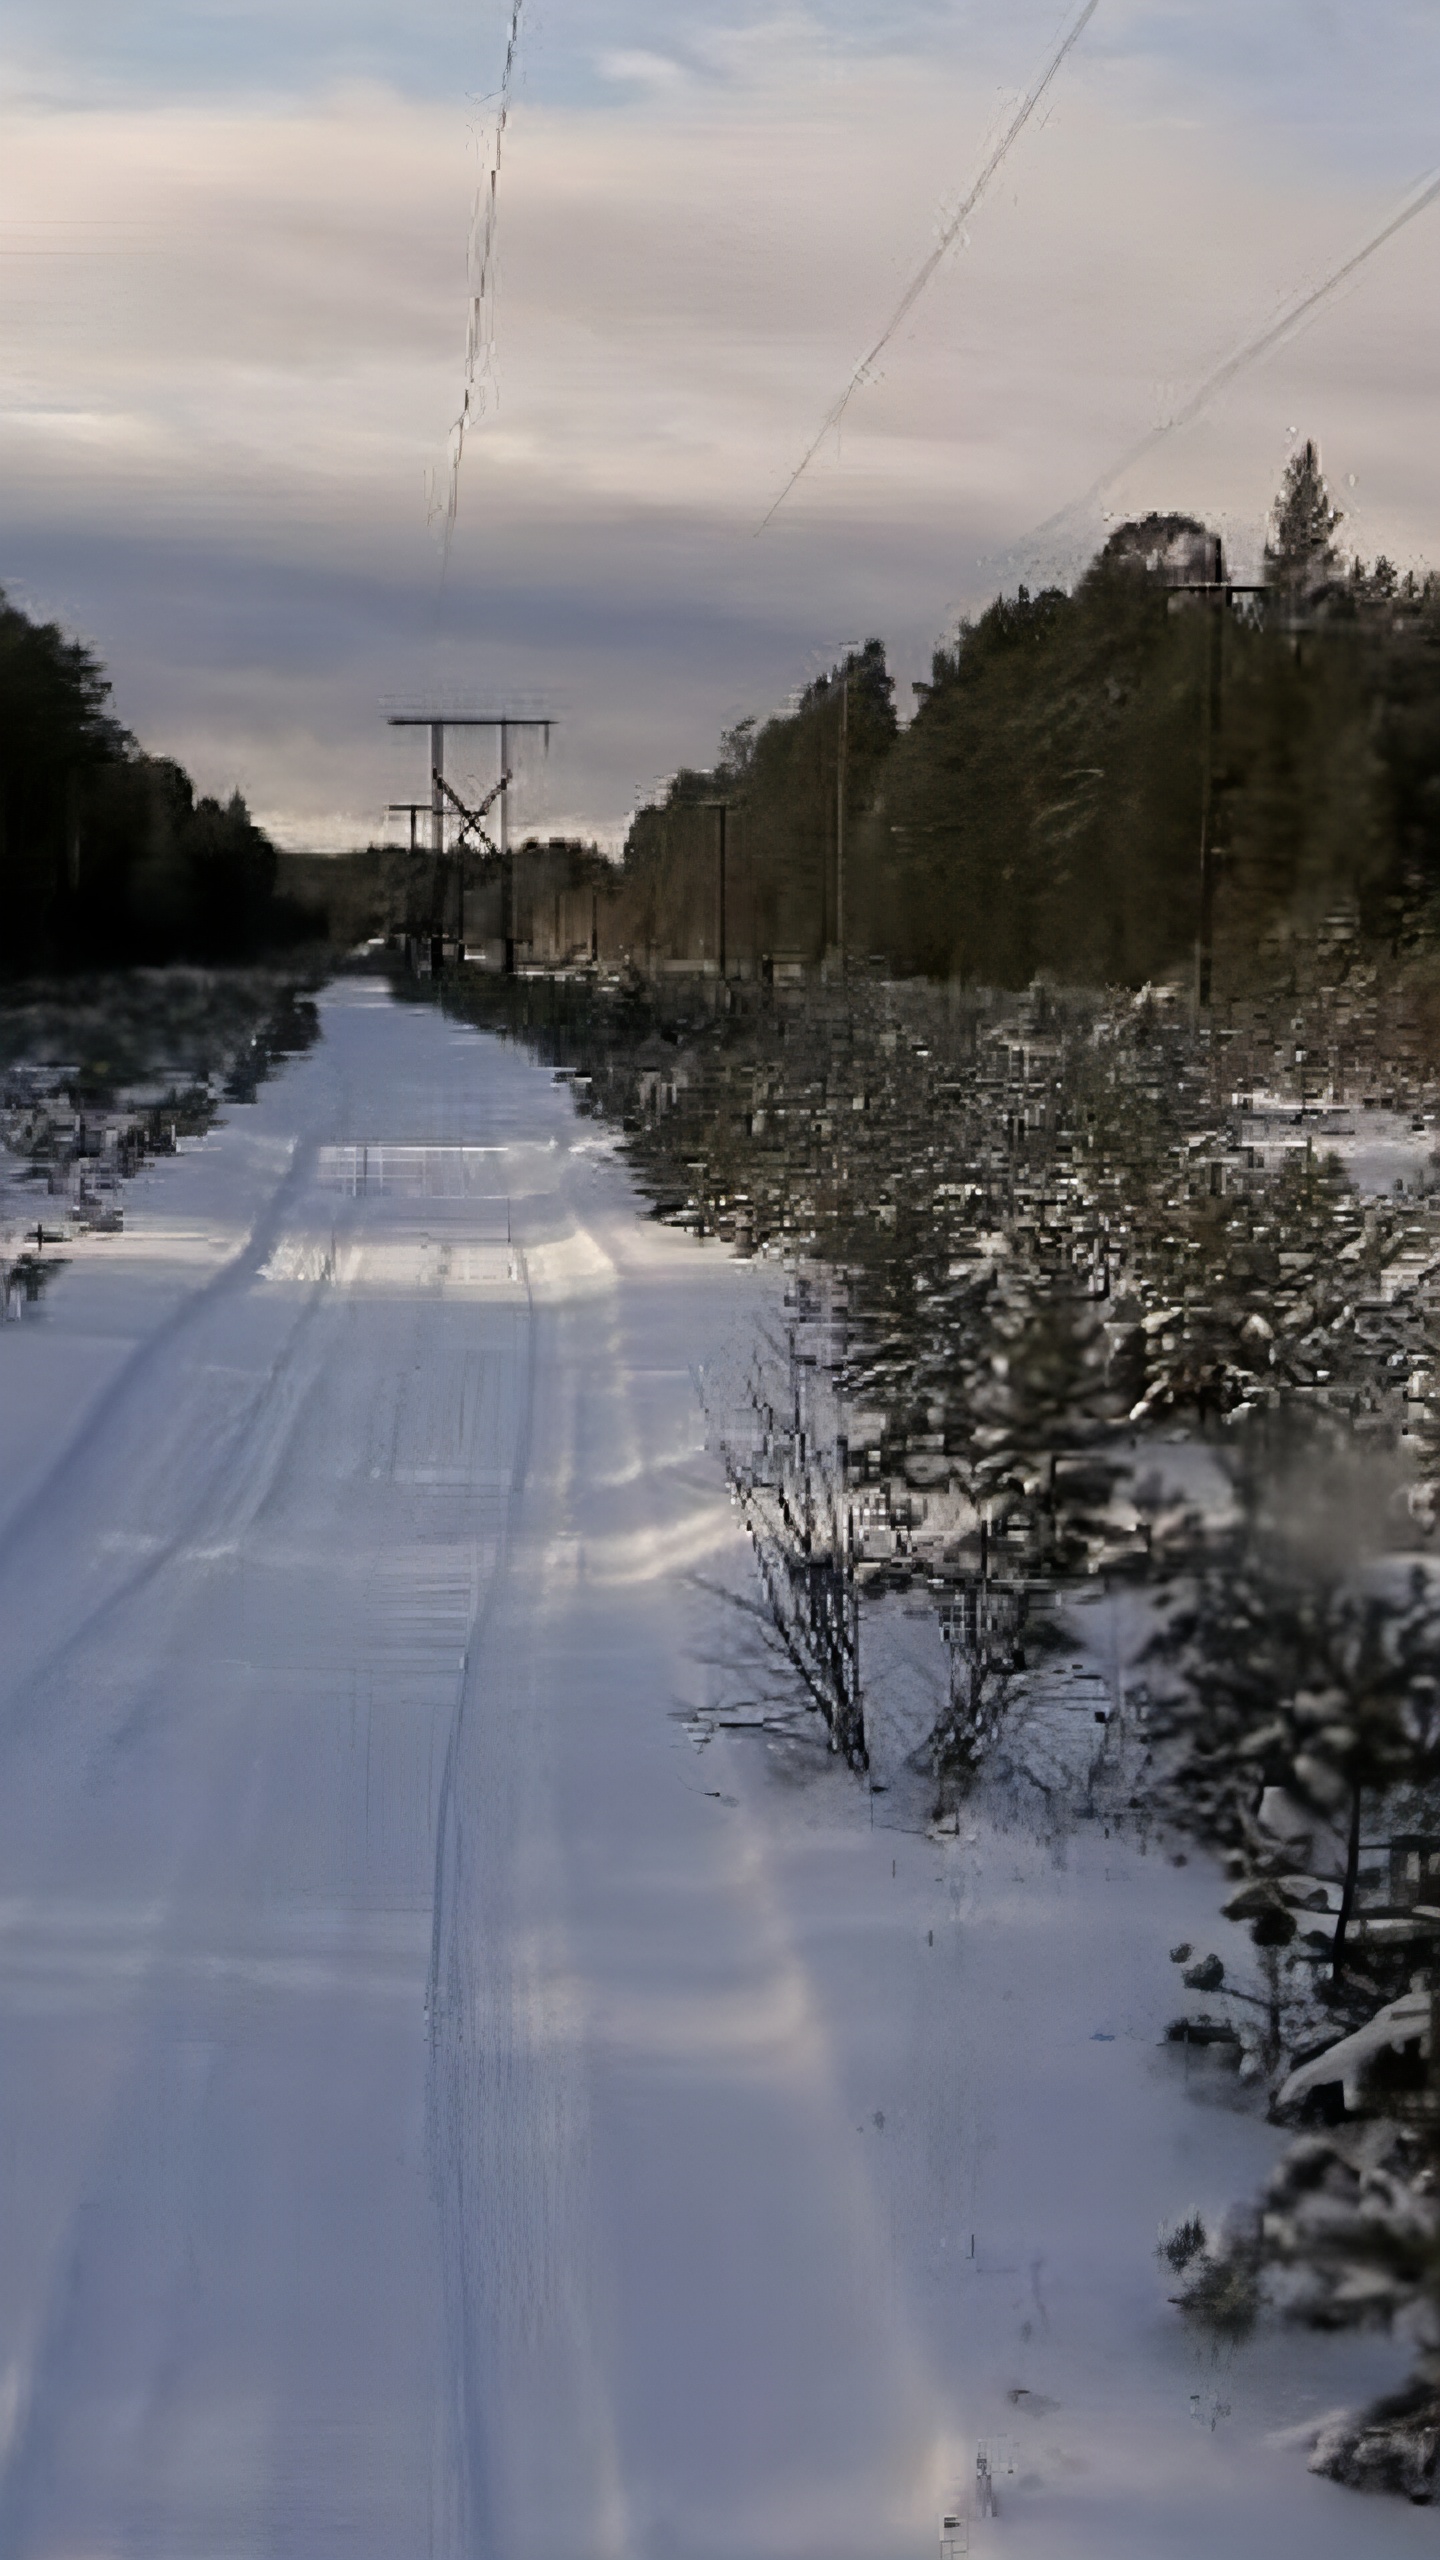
236	337
641	70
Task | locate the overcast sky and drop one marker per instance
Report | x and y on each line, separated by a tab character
235	294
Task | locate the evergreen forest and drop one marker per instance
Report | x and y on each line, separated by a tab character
1043	810
107	855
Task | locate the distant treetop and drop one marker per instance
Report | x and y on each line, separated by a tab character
1302	558
1168	548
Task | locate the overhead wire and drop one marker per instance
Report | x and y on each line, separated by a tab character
948	236
1424	193
480	272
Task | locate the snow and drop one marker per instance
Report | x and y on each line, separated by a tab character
1400	2022
1381	1151
448	2104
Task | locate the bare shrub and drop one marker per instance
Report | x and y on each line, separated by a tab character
982	1623
786	1463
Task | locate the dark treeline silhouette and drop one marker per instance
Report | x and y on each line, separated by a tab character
1042	811
107	856
792	791
560	895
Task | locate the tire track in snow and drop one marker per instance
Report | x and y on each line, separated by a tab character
465	2524
92	1480
91	2265
231	1491
508	2088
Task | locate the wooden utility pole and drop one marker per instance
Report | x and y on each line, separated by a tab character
472	827
1221	591
407	809
840	776
437	848
722	812
508	936
410	809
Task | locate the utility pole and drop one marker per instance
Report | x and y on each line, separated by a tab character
1221	591
832	889
472	828
437	846
840	773
407	809
412	810
722	812
508	934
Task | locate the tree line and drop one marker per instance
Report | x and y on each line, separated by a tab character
1042	811
108	855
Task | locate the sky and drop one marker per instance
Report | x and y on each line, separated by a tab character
235	271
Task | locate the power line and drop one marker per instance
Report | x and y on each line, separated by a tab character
946	241
1224	374
479	327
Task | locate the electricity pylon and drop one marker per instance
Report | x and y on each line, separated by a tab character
472	828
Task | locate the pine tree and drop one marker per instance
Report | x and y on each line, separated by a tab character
1301	557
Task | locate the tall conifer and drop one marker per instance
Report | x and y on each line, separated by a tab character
1301	558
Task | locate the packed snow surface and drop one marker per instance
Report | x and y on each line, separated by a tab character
443	2110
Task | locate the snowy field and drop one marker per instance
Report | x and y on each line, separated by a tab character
443	2110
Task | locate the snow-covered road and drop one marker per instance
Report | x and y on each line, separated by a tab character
440	2112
